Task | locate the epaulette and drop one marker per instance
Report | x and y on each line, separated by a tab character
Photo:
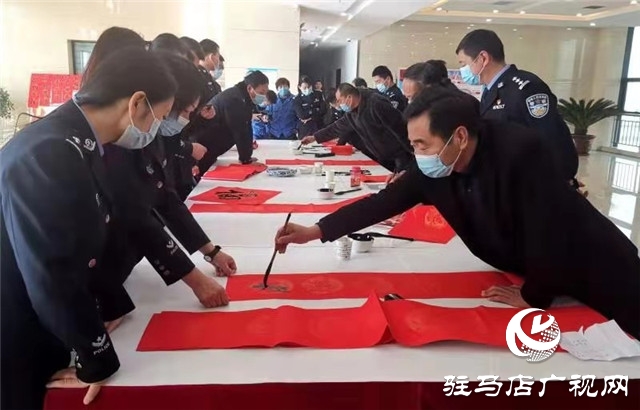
520	82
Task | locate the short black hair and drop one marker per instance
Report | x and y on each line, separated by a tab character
447	110
209	47
382	71
194	46
360	82
482	40
125	72
305	80
347	89
431	72
170	43
331	96
256	79
282	82
272	97
189	81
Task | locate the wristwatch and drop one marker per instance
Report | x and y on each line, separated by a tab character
209	256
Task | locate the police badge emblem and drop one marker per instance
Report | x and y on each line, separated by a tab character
538	105
89	144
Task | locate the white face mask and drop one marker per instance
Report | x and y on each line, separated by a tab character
134	138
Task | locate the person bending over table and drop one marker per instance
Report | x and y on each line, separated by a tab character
372	125
232	123
144	202
497	186
54	217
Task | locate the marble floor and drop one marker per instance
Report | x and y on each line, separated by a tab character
613	182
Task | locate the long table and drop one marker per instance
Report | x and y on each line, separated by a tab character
383	377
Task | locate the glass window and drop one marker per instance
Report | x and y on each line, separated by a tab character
634	60
632	100
80	53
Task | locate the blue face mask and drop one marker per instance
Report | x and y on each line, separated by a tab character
433	167
308	91
172	126
259	99
345	107
217	73
283	92
381	87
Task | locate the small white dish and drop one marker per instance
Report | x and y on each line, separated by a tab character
305	170
325	193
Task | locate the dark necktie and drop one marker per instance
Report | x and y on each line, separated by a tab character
484	98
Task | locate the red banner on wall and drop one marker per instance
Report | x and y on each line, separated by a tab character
50	89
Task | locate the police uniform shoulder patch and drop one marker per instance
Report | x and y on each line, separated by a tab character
520	82
538	105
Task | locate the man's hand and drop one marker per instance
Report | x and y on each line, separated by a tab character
68	379
195	170
294	233
394	177
309	139
225	265
255	144
208	112
256	117
198	151
111	325
207	289
506	294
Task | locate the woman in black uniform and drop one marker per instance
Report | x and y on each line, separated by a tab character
145	201
304	105
54	218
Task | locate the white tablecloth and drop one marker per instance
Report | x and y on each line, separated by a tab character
249	239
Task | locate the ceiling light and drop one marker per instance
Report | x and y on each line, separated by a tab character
413	35
446	28
468	28
523	12
520	37
579	14
439	9
430	38
388	45
592	24
515	29
313	42
401	25
471	25
489	20
446	32
330	27
634	1
496	11
569	28
343	14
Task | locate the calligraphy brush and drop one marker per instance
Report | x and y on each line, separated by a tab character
273	257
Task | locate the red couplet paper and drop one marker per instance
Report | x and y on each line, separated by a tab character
283	326
424	223
233	195
327	162
374	178
402	321
272	208
415	324
50	89
234	172
361	285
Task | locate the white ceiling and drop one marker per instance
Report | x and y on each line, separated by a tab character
341	20
570	13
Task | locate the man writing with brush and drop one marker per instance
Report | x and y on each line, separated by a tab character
497	186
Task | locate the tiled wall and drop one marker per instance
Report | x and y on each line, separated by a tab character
579	63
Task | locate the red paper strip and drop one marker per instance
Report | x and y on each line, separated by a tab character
403	321
424	223
49	89
417	324
374	178
234	195
360	285
272	208
234	172
326	162
284	326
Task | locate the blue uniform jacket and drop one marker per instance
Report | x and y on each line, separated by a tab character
283	118
54	217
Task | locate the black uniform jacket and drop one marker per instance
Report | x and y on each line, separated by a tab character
398	100
381	132
522	97
319	108
515	212
53	225
144	201
306	109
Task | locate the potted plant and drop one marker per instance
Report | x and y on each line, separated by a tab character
582	115
6	106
